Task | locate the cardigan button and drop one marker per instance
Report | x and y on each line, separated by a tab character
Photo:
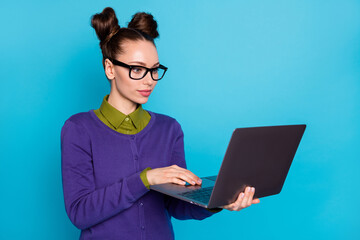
142	227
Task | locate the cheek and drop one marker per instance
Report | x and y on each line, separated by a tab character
123	81
127	85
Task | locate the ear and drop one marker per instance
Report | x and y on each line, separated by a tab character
109	69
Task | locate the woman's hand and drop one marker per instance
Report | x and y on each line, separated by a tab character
244	200
172	174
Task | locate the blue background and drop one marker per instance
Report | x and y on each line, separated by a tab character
239	63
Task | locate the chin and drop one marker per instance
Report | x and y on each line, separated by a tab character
142	101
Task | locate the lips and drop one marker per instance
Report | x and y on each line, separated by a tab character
145	93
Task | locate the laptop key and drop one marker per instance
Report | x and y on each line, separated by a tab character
201	195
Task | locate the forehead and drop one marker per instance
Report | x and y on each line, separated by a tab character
140	51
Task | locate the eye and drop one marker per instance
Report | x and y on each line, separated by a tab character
137	70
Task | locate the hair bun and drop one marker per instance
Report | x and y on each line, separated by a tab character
105	24
145	23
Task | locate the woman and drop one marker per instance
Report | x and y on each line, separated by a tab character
110	156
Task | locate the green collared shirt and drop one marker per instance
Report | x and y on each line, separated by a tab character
126	124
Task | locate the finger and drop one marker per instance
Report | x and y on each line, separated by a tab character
245	200
230	207
186	175
252	192
193	176
236	206
176	181
180	174
239	203
183	176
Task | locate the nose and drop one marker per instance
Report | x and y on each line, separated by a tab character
147	80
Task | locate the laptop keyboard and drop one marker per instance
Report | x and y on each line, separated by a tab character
201	195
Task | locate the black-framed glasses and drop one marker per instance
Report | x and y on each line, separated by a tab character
137	72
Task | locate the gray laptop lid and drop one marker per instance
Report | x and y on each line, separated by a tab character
256	156
259	157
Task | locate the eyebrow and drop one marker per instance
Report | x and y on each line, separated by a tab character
143	64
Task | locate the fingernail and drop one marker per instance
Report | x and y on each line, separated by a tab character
199	181
248	189
242	195
193	182
252	189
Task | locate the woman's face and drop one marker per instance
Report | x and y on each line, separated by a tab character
142	53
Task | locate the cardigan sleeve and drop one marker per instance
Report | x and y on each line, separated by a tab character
177	208
85	204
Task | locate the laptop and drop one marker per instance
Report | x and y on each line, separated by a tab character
259	157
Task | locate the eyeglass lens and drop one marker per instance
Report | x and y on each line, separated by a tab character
140	72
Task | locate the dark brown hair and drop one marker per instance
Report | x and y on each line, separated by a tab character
141	27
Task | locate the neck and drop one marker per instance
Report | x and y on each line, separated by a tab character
120	103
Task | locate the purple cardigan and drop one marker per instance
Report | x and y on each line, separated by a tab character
103	192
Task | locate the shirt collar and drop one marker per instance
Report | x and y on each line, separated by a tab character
138	116
116	118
